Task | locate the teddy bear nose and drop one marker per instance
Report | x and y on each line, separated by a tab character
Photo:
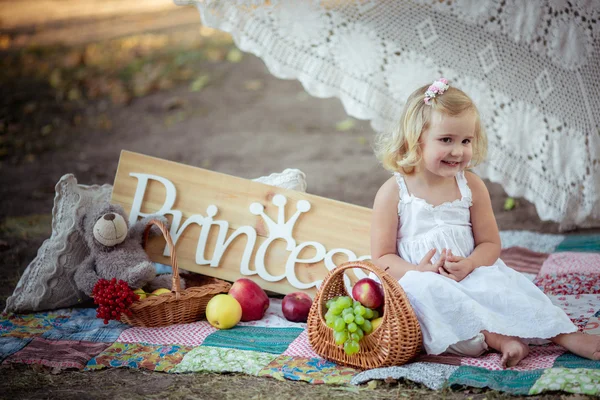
109	217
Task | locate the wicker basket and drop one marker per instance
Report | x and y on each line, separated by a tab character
396	341
179	306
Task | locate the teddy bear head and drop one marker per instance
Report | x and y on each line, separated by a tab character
104	226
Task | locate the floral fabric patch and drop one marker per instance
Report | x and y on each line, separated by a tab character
137	355
216	359
568	284
312	370
29	325
579	380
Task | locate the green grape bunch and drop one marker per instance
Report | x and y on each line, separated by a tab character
350	321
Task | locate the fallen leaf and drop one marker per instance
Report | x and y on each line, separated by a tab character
175	118
206	163
185	73
165	83
234	55
199	83
46	130
253	84
104	122
205	31
509	204
118	93
174	103
29	108
362	140
55	78
4	42
372	385
72	59
214	54
74	94
345	125
352	389
302	96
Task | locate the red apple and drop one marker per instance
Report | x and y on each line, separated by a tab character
252	298
368	292
295	306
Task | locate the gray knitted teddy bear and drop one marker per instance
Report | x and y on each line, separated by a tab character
116	250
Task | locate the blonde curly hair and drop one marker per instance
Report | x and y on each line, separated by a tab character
399	149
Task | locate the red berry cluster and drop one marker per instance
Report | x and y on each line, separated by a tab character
113	299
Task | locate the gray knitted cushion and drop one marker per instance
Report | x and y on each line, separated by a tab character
47	283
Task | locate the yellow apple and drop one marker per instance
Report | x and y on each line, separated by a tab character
140	292
376	322
223	311
161	291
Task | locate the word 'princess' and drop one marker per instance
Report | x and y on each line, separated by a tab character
281	229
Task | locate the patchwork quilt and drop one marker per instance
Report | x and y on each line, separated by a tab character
566	268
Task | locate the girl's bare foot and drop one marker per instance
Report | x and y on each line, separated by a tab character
580	343
512	348
513	351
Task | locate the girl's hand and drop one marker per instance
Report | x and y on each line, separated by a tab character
426	266
456	268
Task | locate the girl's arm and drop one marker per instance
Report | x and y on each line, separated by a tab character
485	229
384	232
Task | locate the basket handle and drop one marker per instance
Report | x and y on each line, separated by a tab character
175	286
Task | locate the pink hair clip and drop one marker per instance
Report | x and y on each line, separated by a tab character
438	87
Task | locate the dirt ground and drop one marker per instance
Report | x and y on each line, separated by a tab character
81	82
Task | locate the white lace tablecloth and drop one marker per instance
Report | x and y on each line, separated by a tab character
532	67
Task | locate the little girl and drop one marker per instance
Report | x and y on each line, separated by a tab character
434	227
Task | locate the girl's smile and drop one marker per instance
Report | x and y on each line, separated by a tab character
447	144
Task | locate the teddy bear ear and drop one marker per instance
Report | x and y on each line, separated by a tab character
91	213
117	209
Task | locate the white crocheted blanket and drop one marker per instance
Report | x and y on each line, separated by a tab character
532	67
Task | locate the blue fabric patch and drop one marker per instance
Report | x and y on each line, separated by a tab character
515	382
268	340
163	269
10	345
582	243
570	360
85	327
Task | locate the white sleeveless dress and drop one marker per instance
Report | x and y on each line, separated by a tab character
494	298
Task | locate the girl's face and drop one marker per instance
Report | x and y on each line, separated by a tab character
447	144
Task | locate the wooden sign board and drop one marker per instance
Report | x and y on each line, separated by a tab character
229	227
